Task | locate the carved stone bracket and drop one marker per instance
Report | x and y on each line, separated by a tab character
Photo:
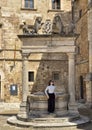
25	56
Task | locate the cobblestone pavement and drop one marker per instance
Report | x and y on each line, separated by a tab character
5	126
84	111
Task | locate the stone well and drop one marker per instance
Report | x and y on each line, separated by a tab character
37	104
38	117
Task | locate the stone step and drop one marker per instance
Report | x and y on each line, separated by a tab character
47	123
52	117
56	119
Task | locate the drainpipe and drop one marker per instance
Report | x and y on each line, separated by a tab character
72	4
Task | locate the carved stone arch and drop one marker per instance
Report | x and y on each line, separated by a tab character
57	25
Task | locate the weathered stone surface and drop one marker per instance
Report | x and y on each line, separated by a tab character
82	57
12	14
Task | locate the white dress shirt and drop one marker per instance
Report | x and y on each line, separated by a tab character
50	89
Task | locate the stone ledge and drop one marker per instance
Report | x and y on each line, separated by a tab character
9	108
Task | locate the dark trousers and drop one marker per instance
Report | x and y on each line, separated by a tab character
51	103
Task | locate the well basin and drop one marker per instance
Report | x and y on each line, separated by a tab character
37	104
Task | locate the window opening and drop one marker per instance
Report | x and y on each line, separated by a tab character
30	76
55	4
80	13
29	4
55	75
81	88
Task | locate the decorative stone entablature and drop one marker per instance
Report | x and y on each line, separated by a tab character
61	24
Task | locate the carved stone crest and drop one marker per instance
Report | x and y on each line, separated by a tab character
47	27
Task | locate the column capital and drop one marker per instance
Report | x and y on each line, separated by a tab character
25	55
71	55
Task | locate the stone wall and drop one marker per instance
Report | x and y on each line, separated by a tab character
12	15
45	69
82	44
6	108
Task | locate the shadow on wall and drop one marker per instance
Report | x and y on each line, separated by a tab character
51	67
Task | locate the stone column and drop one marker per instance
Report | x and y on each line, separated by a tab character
24	77
71	83
23	115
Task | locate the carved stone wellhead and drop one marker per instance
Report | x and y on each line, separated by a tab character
37	104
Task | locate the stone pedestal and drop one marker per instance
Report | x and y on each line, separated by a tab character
73	108
23	115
